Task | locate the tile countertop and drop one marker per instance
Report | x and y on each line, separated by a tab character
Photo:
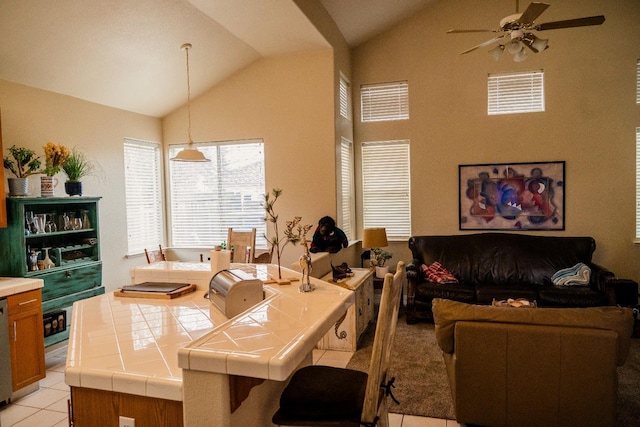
15	285
140	346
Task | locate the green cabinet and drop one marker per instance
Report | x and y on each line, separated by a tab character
67	230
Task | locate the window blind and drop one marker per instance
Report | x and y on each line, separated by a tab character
386	191
143	195
208	198
345	98
385	101
638	82
516	92
347	208
638	184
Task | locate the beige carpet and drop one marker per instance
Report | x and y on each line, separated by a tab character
423	389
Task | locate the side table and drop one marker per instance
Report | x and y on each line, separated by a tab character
626	292
345	336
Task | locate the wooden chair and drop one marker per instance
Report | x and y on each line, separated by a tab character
327	396
243	243
263	258
154	256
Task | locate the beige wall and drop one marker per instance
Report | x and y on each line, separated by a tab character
589	122
288	102
31	117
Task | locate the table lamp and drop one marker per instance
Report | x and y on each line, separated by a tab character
373	238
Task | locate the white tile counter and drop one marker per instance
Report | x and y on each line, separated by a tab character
15	285
141	346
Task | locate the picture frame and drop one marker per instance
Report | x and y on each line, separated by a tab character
512	196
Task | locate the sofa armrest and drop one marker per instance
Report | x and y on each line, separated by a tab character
602	280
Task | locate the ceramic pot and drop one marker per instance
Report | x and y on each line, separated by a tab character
48	186
18	187
381	271
73	188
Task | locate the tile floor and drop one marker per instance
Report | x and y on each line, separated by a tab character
47	407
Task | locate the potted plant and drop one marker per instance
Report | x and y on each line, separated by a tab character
22	163
378	257
76	166
55	156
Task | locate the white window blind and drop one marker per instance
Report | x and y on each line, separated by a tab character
386	191
516	92
638	184
638	82
208	198
143	195
385	101
345	98
347	208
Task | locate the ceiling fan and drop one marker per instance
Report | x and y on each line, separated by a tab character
517	29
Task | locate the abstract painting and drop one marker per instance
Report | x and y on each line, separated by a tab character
512	196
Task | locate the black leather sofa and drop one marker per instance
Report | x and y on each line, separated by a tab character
499	266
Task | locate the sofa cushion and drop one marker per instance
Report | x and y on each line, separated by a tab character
618	319
457	291
570	296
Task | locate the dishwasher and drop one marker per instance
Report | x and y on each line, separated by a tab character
5	355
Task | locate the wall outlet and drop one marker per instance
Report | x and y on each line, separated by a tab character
126	422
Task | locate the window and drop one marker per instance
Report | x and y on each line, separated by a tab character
638	82
347	208
345	98
208	198
638	184
143	195
516	92
386	101
386	189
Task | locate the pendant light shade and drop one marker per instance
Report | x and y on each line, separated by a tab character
190	153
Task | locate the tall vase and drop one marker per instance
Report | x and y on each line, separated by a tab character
48	186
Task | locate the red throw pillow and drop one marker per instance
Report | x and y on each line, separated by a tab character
436	272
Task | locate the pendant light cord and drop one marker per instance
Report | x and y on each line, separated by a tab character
186	47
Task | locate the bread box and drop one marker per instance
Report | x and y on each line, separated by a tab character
234	291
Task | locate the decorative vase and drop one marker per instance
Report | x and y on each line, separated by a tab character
18	187
381	271
73	188
48	186
47	261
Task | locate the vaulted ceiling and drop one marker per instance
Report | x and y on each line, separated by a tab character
126	53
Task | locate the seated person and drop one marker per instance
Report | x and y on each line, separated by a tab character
328	237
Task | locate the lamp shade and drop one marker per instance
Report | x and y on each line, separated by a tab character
374	238
190	155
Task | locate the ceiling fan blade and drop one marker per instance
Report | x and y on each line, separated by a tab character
533	11
487	43
570	23
473	31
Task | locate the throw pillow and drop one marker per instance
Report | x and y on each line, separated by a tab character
578	275
436	272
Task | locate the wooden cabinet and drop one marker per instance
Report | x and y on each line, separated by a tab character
346	334
26	338
65	228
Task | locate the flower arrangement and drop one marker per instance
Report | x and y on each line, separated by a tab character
24	162
55	156
293	233
379	256
77	165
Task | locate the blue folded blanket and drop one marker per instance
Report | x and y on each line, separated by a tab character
578	275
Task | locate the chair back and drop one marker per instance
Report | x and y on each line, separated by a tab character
243	243
154	256
375	395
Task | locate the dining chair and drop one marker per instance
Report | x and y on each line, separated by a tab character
243	244
154	256
327	396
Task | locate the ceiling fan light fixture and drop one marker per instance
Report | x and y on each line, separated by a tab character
520	56
515	46
497	52
540	44
189	153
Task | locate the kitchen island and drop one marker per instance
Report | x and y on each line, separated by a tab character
183	357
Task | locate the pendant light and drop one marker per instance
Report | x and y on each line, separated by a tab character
190	153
